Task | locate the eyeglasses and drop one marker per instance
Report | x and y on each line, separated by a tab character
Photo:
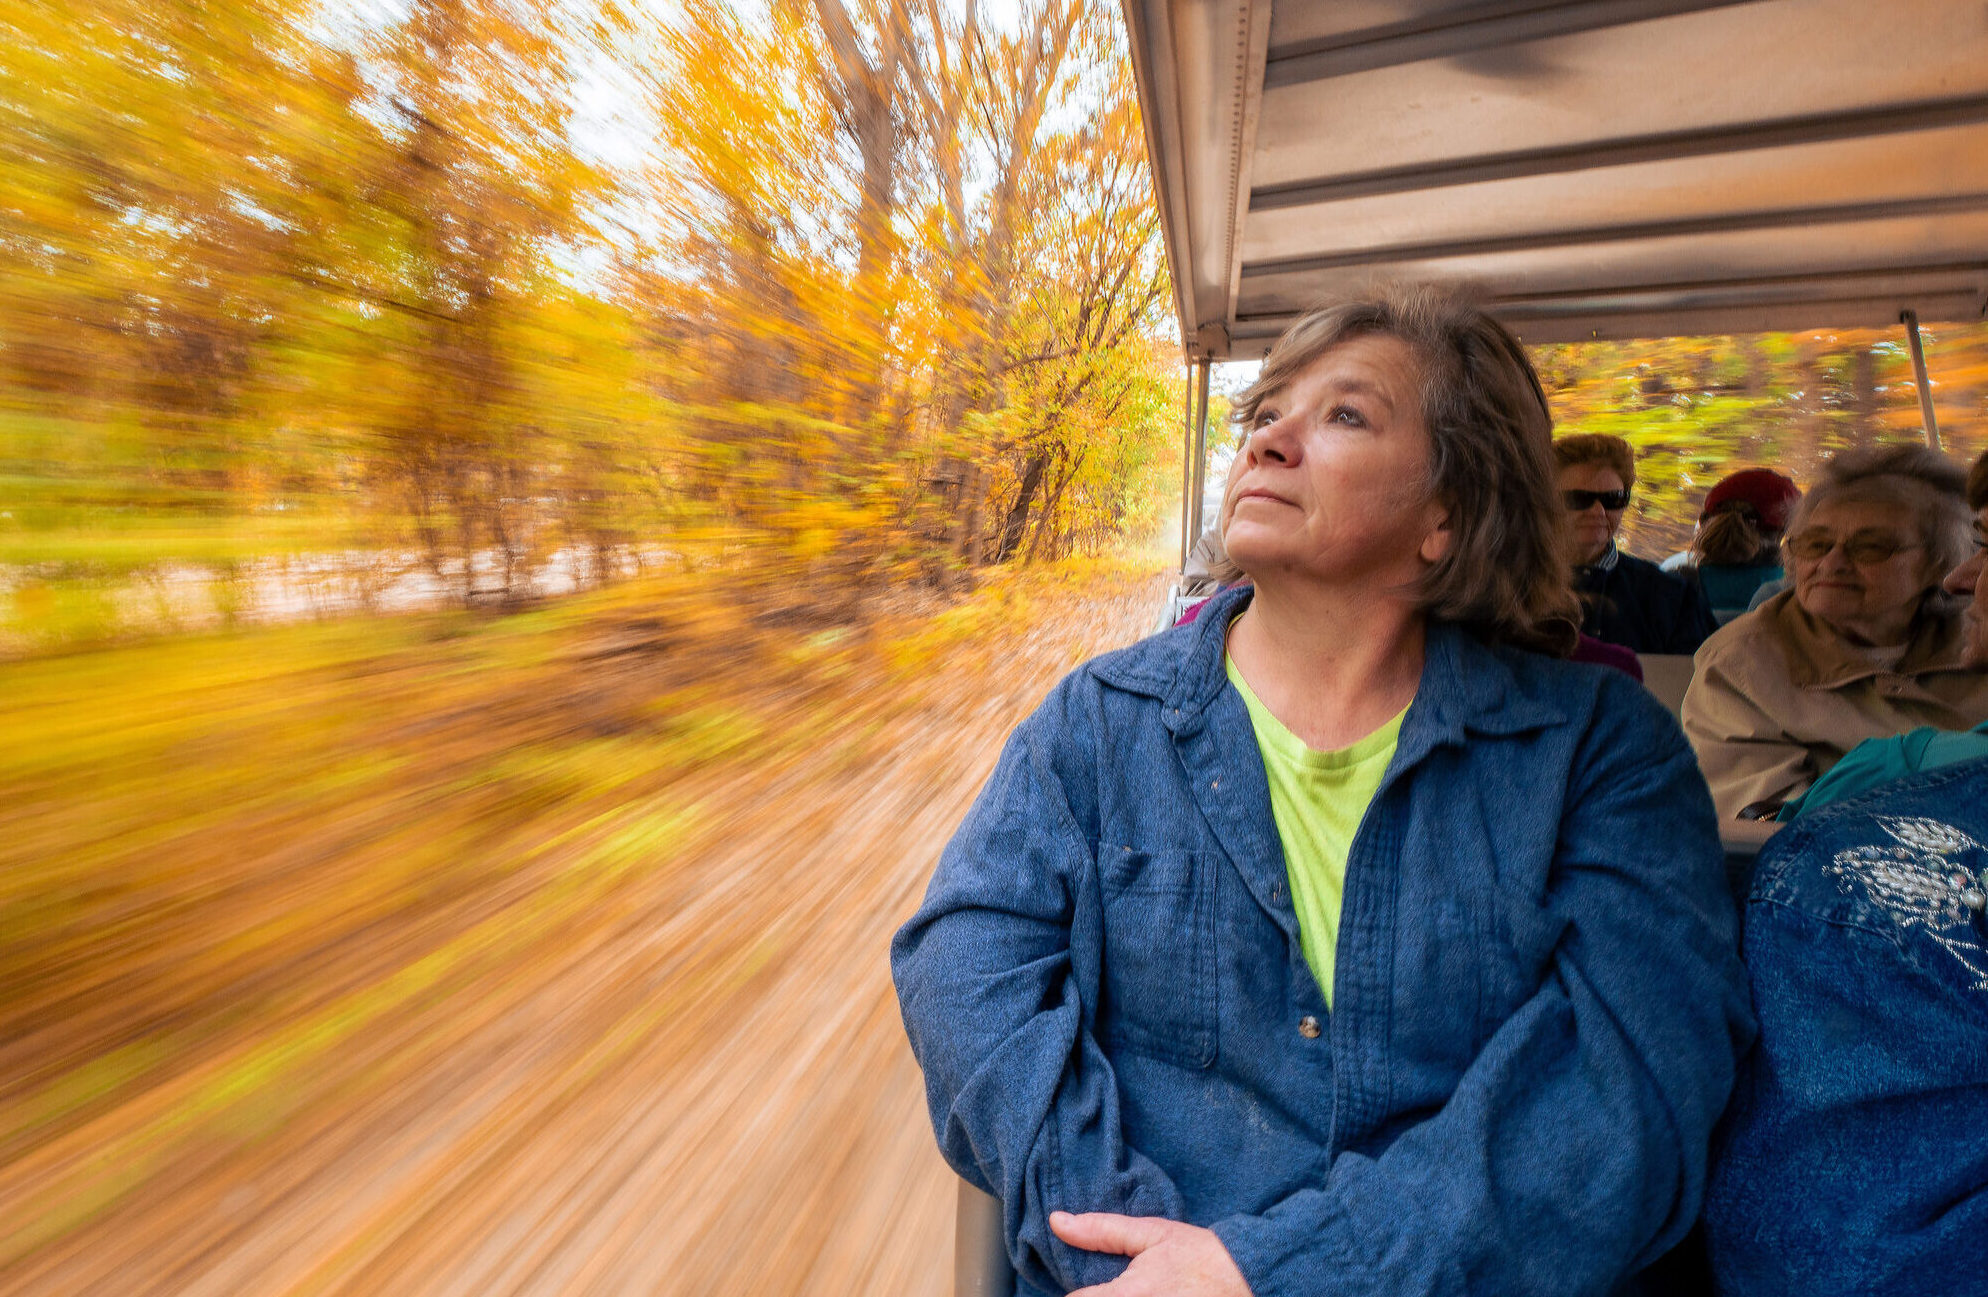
1582	501
1860	548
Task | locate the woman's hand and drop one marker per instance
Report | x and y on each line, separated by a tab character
1169	1259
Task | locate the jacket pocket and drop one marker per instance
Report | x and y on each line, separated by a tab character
1159	954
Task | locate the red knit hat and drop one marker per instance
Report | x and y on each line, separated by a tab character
1771	496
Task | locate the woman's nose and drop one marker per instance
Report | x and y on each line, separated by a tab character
1963	578
1272	442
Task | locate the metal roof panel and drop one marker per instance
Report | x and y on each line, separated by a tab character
1596	165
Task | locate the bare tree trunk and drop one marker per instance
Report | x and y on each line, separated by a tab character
975	384
1051	507
867	95
1864	385
1018	512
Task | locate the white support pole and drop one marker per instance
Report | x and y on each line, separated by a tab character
1200	451
1910	319
1187	469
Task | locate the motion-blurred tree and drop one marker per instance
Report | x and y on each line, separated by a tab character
851	290
883	349
1091	283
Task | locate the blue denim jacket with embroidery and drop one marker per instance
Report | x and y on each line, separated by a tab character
1539	1000
1854	1158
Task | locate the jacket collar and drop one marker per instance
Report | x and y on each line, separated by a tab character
1606	563
1464	687
1819	658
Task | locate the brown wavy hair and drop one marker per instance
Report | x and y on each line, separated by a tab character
1734	536
1505	577
1597	448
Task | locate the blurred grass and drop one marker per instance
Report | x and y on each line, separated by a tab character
227	860
95	493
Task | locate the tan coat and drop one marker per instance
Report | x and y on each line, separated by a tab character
1777	698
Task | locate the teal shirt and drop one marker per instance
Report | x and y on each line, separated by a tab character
1729	588
1879	761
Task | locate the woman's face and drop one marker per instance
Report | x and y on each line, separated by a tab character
1332	482
1869	580
1590	529
1970	581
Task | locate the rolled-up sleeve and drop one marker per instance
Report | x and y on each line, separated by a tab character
1001	1014
1573	1151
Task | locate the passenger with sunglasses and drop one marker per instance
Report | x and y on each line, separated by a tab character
1625	600
1865	645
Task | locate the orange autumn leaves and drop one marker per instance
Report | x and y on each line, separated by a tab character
475	291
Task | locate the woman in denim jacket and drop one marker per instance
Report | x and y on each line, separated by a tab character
1455	1017
1854	1159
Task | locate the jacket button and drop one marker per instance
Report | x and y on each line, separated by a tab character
1308	1027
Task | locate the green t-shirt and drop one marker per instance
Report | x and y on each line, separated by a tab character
1317	799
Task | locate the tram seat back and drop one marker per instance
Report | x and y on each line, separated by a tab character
1667	675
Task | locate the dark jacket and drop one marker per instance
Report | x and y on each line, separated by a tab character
1538	997
1854	1158
1635	603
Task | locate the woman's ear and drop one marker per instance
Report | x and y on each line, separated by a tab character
1437	540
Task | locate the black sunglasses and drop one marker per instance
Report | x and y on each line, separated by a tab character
1582	501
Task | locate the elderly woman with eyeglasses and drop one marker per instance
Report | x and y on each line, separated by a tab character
1864	645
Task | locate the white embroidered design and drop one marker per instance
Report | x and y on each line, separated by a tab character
1928	835
1920	885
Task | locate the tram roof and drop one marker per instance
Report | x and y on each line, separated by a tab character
1600	168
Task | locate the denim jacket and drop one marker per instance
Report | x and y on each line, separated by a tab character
1538	997
1854	1158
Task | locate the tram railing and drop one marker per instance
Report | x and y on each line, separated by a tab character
980	1253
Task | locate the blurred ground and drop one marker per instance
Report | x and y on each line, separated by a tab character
542	954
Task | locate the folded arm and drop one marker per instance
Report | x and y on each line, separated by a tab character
1001	1018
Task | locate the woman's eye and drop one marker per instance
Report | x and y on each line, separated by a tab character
1264	418
1349	416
